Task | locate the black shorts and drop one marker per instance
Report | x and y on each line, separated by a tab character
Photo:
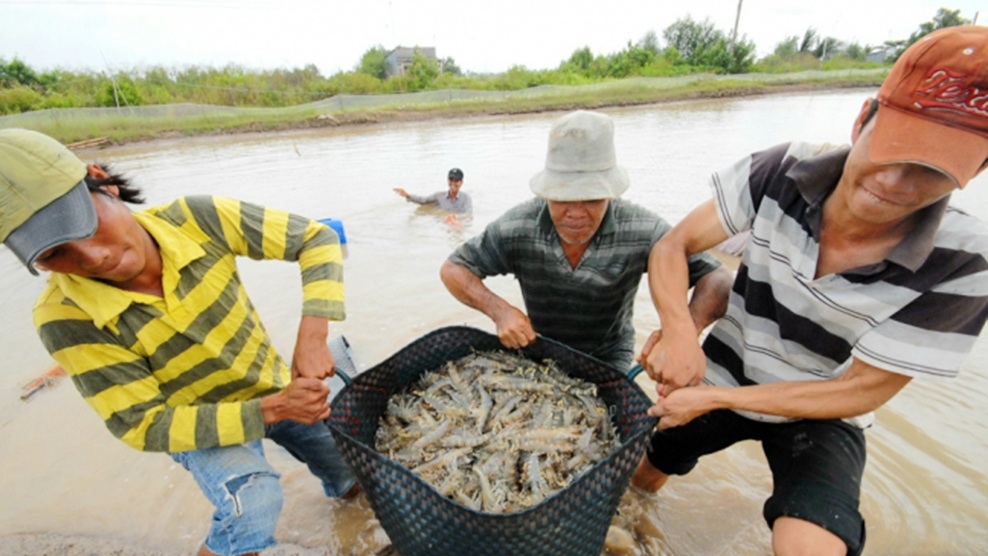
816	465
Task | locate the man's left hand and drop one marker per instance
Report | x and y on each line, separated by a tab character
681	406
674	360
653	339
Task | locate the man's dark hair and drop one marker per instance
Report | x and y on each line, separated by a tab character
128	193
872	110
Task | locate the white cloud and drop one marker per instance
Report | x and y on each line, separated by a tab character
480	36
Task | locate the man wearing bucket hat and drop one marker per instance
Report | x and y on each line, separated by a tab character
147	314
577	250
858	278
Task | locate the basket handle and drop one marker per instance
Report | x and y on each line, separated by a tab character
634	371
342	356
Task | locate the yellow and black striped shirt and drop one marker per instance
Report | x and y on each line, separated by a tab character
187	371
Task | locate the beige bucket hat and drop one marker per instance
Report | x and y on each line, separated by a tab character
580	164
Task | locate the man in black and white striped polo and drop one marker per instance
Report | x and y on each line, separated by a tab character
858	277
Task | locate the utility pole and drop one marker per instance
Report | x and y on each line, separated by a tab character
391	15
737	19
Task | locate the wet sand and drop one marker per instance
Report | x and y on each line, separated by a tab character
73	545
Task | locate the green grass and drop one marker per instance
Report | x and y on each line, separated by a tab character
123	124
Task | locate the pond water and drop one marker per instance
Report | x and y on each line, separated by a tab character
924	489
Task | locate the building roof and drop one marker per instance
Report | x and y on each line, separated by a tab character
406	52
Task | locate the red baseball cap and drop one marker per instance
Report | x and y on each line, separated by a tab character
934	104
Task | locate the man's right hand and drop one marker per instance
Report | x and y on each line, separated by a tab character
401	192
304	400
513	327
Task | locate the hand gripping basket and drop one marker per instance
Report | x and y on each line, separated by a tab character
421	521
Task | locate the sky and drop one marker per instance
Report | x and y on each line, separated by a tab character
481	36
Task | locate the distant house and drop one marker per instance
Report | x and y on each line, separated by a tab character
400	59
877	54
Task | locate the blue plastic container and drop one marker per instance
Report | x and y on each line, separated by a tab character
337	226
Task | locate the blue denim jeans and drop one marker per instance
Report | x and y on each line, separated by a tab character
244	488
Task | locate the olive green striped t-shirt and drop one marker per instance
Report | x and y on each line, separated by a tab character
187	371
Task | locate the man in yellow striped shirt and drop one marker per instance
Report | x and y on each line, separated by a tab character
146	312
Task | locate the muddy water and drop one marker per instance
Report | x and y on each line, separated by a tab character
924	491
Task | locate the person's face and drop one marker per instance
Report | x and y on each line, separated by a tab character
577	221
887	193
115	253
454	186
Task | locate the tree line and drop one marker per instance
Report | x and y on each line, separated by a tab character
690	47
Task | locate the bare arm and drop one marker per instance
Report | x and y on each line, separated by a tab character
710	295
305	399
677	360
861	389
312	357
513	327
707	304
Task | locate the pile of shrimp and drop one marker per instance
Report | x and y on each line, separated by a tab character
497	432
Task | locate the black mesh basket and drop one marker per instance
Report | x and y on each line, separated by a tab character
421	521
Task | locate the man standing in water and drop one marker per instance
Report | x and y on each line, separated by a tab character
578	252
452	200
146	312
858	277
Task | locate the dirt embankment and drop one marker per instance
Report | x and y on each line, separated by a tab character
415	114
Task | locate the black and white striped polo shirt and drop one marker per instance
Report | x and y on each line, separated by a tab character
917	313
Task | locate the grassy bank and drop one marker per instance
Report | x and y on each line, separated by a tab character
127	124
